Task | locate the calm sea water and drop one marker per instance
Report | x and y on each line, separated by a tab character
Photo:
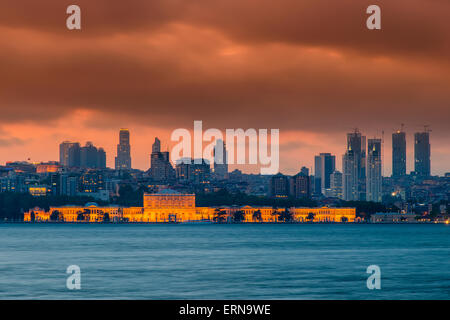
224	261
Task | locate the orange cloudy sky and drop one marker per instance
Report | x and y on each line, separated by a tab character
308	67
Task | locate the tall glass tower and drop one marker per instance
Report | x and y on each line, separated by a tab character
422	154
374	166
123	158
324	166
398	154
354	167
220	160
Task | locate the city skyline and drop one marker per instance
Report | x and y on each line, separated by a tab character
336	164
83	172
156	66
241	157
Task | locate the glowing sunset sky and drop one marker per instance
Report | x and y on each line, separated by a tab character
308	67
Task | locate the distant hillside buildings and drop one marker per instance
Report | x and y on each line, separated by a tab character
361	178
89	156
197	171
161	169
82	170
297	186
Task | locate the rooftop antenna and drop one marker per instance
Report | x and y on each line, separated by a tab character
427	128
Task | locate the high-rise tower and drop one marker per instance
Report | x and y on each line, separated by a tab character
422	153
324	166
123	158
398	154
69	154
161	169
220	160
354	167
156	147
374	166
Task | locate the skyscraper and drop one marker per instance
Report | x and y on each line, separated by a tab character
156	147
325	164
422	154
123	158
374	178
354	167
75	155
279	186
398	154
300	186
64	152
220	160
101	158
336	184
91	157
161	169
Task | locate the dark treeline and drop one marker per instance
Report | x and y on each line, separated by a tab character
129	197
224	198
12	205
367	208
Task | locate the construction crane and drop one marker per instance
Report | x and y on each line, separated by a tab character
402	128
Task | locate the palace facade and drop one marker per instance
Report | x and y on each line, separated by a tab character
172	206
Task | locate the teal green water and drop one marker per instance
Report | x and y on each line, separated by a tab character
224	261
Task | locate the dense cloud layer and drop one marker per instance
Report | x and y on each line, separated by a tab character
291	64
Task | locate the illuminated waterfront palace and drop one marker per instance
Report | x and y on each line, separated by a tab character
172	206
